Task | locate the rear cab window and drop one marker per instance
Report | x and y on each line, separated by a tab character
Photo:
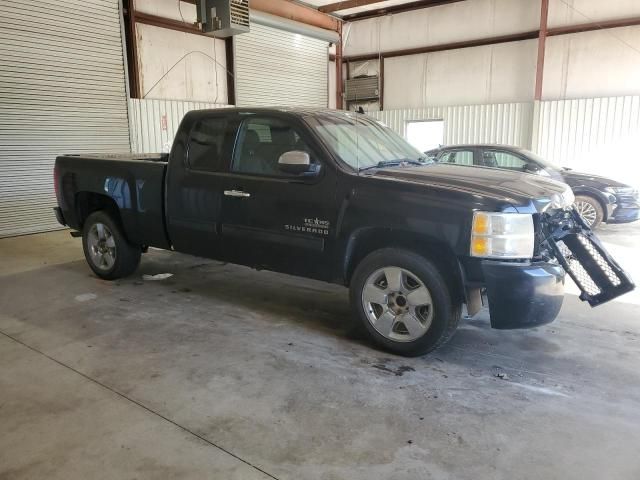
208	144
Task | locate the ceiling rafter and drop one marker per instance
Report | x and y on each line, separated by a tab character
391	9
346	4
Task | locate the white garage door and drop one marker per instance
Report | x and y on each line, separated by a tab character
62	90
278	68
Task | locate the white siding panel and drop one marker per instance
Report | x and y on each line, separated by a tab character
442	24
596	135
274	67
601	63
483	75
154	123
62	90
505	123
564	12
177	65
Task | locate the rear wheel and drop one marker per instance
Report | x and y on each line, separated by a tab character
106	250
403	302
590	210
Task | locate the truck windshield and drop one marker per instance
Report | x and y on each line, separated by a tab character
363	143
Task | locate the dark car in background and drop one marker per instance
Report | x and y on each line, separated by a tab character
598	199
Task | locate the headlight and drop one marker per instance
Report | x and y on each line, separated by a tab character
562	200
621	190
502	235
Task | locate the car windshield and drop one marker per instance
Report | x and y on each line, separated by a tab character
538	159
363	143
432	154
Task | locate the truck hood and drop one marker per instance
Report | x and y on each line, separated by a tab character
526	192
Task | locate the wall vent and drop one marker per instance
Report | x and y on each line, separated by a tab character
223	18
362	88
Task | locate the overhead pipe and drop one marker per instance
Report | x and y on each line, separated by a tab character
292	11
293	26
297	13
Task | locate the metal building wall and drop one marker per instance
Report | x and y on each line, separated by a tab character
505	123
275	67
568	132
595	135
589	130
153	123
62	90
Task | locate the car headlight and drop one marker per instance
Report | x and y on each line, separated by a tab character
502	235
562	200
621	190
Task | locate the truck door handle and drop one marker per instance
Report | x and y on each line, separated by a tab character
236	193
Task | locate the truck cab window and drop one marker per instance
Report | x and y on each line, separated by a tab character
206	144
261	142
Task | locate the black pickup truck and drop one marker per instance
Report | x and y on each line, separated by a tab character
338	197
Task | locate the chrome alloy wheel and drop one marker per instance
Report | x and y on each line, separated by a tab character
397	304
102	246
586	211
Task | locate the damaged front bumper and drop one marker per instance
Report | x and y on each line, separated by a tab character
584	258
525	295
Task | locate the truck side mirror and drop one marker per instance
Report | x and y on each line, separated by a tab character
295	162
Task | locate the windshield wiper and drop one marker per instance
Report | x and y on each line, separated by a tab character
394	163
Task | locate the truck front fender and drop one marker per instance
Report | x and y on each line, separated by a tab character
366	240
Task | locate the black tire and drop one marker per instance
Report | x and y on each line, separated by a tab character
446	313
127	256
597	208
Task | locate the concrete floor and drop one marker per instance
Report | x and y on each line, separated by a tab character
222	372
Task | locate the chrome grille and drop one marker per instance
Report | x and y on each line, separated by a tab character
596	274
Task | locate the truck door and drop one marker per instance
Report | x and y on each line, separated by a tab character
200	155
275	220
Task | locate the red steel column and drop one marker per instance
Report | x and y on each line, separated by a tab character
542	38
339	100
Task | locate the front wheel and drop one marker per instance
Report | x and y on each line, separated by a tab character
403	302
106	249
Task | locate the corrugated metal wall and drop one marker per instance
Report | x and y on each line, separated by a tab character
275	67
62	90
587	132
596	135
506	123
153	123
576	133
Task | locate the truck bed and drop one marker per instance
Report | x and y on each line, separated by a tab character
132	183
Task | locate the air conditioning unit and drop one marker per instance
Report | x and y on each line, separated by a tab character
365	88
223	18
